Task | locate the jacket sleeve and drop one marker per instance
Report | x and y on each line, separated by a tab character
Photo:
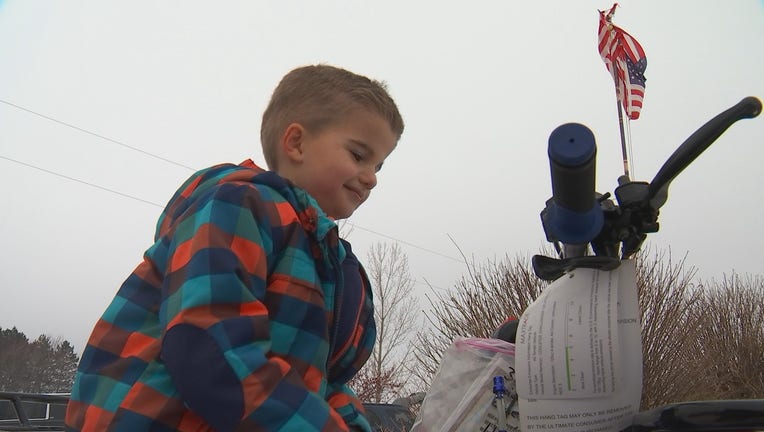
346	403
217	344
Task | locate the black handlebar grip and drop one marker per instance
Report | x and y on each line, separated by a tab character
575	216
696	144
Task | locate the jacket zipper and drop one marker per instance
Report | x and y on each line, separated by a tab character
338	287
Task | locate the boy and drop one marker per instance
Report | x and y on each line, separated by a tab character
249	312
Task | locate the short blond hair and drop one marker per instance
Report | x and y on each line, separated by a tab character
317	96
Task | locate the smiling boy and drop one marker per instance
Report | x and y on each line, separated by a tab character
338	166
249	312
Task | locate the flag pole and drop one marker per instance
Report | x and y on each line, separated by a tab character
623	135
624	154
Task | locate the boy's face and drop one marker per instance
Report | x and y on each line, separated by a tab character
338	164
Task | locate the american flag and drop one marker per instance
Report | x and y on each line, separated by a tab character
625	60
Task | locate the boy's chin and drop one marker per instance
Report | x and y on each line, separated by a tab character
340	210
342	215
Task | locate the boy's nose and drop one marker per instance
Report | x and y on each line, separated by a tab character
368	179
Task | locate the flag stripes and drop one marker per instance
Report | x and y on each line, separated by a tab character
625	60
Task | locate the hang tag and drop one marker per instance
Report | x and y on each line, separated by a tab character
579	353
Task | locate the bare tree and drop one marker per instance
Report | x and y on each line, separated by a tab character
395	310
367	383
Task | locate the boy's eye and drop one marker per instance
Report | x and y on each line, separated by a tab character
356	155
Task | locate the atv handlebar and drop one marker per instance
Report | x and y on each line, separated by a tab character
577	216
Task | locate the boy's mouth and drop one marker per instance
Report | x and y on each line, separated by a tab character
358	195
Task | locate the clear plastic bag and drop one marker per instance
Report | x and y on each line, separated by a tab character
461	397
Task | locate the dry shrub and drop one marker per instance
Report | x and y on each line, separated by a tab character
728	356
478	304
669	327
699	342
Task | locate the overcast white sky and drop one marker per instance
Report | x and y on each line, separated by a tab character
480	84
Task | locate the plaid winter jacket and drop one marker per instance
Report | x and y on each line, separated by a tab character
247	313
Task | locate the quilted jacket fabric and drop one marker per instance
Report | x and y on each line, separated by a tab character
247	313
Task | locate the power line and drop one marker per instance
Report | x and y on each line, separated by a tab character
47	171
81	181
98	135
407	243
430	285
174	163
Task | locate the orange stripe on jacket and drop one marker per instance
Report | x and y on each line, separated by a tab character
184	251
97	419
191	187
296	288
205	316
337	400
286	213
181	256
250	254
139	345
259	385
356	336
147	401
312	378
109	337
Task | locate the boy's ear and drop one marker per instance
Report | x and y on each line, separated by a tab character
292	141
